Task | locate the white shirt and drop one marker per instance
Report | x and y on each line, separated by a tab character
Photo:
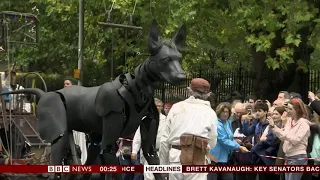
136	143
191	116
237	134
80	140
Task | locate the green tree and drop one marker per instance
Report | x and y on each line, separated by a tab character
280	35
273	39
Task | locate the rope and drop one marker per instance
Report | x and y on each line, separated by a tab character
8	49
113	2
274	157
10	127
150	8
112	45
108	12
134	8
105	7
124	139
126	48
169	10
286	159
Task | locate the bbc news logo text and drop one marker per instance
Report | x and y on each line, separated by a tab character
57	169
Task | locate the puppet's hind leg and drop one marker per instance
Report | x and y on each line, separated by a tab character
52	124
112	127
57	152
94	150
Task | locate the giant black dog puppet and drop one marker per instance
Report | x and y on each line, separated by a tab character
114	109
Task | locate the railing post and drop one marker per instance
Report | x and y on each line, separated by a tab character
163	94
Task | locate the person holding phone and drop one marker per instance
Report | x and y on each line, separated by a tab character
294	135
238	157
269	143
256	127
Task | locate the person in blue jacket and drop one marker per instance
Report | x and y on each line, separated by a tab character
225	142
263	137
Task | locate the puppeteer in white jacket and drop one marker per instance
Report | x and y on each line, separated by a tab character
191	116
136	143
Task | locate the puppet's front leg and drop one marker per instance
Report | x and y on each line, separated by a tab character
112	127
148	130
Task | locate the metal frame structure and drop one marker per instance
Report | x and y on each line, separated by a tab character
6	30
27	130
30	19
22	20
106	24
109	24
113	25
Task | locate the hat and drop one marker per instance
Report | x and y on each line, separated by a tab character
295	95
200	85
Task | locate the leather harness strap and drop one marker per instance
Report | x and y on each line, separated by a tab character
176	147
208	154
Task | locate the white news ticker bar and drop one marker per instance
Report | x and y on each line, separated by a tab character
162	168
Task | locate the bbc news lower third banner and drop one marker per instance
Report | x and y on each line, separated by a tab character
81	169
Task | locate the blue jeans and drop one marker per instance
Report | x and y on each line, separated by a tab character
128	161
295	176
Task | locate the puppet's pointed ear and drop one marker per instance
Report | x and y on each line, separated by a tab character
153	41
180	38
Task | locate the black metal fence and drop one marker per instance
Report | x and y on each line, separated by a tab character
223	84
314	81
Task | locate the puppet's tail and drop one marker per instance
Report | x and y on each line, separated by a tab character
35	91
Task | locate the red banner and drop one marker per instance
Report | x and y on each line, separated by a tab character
251	169
75	169
81	169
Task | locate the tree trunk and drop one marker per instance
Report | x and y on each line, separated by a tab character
267	83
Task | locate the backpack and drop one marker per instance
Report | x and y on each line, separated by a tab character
315	153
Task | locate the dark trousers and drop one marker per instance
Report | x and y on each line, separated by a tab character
252	176
246	176
268	176
128	161
220	176
96	176
263	176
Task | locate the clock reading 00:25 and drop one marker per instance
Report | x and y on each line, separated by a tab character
106	169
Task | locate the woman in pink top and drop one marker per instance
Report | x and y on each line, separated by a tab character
294	135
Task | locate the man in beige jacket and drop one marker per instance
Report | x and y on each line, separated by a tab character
191	116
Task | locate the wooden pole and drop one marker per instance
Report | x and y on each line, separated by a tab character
119	25
81	37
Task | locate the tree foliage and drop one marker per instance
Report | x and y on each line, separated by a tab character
221	34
